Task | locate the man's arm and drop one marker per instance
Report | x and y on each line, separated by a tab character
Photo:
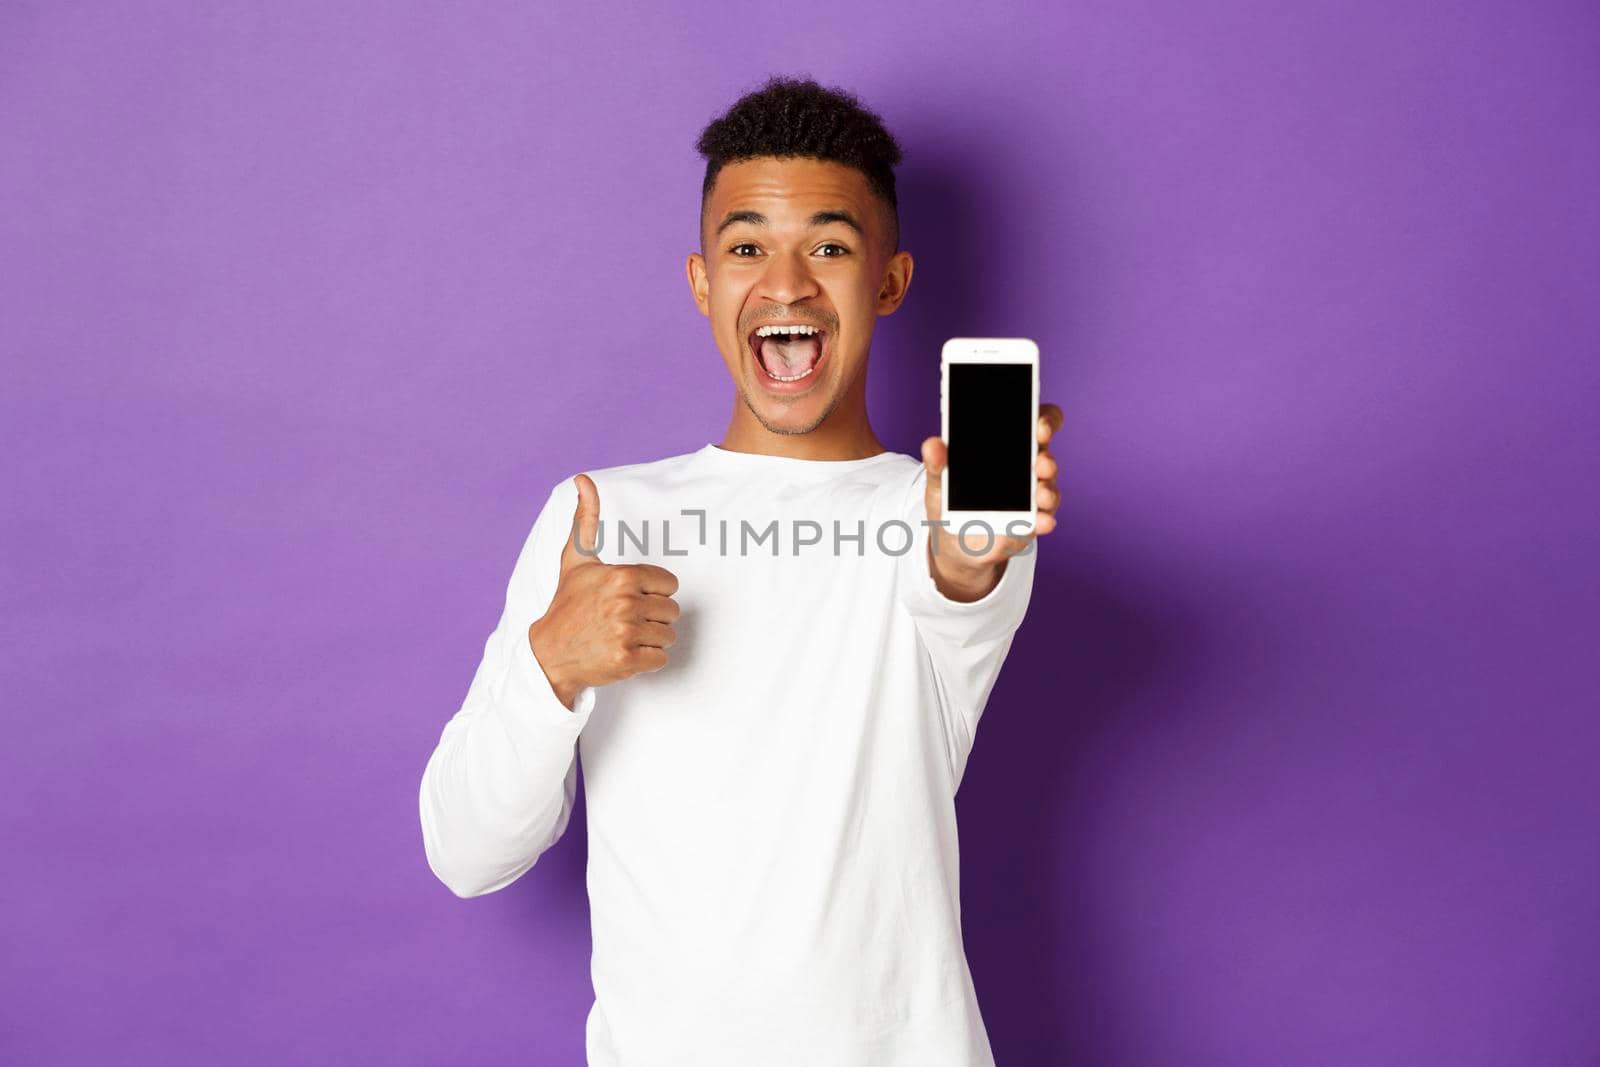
968	600
499	787
967	640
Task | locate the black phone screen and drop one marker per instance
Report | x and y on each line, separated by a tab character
991	434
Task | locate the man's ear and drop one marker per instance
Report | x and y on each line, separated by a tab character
896	280
699	283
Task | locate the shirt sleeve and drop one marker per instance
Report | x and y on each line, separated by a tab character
966	641
499	787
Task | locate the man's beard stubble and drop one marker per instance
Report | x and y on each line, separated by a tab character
744	394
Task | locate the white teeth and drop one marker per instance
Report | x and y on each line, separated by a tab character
795	378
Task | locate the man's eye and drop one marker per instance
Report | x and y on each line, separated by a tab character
735	249
842	250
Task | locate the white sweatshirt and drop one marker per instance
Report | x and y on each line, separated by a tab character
772	870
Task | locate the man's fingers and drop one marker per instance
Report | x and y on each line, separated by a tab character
648	658
1049	422
655	634
659	608
1047	497
653	579
1014	545
1004	548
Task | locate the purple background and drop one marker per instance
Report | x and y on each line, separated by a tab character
303	311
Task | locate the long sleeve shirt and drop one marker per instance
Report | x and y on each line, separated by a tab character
773	863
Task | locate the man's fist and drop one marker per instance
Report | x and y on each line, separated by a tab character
967	572
606	622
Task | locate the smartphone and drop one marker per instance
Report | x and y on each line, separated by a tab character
989	414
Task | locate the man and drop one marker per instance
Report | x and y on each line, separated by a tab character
769	654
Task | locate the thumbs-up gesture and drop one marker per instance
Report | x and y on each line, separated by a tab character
966	572
606	621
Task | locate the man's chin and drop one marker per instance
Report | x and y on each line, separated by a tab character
799	415
787	424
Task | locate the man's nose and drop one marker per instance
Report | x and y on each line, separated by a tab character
788	279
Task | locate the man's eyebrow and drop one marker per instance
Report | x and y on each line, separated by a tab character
821	218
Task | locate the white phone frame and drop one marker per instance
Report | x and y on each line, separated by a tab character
988	350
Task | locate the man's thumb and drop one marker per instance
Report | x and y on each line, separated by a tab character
934	457
585	524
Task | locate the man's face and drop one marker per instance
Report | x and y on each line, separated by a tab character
798	243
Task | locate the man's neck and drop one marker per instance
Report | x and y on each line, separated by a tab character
836	439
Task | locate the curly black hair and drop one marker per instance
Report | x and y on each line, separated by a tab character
789	117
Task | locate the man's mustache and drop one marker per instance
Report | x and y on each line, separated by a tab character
807	318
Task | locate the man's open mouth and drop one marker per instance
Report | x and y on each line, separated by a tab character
788	352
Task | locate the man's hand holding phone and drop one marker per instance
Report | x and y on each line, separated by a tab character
606	621
968	571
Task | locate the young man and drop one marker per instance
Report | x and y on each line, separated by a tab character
769	654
